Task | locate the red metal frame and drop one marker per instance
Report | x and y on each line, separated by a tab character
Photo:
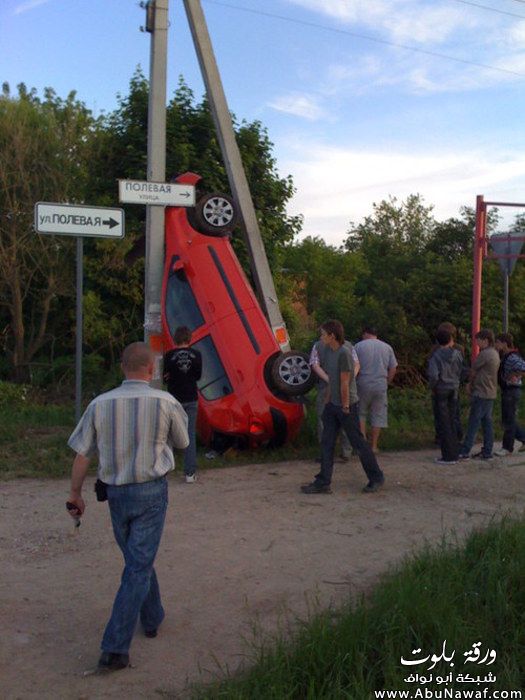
480	252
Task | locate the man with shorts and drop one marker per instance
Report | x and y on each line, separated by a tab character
378	367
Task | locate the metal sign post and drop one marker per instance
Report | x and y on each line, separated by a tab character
80	328
79	221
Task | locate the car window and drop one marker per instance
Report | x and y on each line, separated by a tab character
181	305
213	383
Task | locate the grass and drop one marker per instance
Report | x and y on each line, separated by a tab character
463	594
33	441
33	437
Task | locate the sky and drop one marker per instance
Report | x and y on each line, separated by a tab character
363	99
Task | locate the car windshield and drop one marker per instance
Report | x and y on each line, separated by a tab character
213	383
181	306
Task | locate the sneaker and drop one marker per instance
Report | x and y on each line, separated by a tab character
373	486
439	460
480	455
191	478
522	448
463	457
314	487
502	453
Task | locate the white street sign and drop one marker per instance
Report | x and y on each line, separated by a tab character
165	194
78	220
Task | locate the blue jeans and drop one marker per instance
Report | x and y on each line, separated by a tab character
510	399
190	453
480	415
137	514
333	420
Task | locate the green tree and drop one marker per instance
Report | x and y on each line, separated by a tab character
44	147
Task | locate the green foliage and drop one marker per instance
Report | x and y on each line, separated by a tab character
459	593
13	396
44	147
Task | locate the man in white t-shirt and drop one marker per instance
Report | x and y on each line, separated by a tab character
378	367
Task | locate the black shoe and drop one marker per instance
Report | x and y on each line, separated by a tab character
112	662
480	455
150	634
373	486
314	487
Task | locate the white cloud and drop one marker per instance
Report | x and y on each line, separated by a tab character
517	34
29	5
402	20
337	185
299	105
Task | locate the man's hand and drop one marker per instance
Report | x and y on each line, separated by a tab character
79	504
78	474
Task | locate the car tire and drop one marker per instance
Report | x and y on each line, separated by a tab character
214	215
291	373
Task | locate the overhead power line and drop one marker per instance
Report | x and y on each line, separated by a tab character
366	37
490	9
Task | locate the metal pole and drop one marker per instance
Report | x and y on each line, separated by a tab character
157	24
234	167
481	212
80	322
506	302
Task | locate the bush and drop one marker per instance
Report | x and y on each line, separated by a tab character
14	395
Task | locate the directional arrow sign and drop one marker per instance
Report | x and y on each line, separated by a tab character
164	194
73	220
505	244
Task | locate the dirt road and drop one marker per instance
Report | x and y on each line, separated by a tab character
240	545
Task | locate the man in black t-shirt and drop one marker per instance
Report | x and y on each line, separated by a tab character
182	370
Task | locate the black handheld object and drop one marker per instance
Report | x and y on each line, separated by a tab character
71	506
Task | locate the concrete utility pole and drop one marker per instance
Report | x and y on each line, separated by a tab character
232	159
157	25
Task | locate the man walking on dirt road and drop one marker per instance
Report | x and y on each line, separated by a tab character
341	411
133	429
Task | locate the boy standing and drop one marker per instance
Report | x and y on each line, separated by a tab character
444	374
483	388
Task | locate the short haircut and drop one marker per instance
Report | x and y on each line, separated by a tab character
450	327
182	335
485	334
506	338
335	328
443	336
371	330
137	356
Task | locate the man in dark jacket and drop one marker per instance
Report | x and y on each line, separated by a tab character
182	371
445	368
510	371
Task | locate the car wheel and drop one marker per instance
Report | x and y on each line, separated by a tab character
291	373
214	215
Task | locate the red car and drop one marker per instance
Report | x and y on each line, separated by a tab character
250	390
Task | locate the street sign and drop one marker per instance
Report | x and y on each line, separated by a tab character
505	244
164	194
78	220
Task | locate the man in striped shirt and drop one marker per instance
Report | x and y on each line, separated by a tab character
133	430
